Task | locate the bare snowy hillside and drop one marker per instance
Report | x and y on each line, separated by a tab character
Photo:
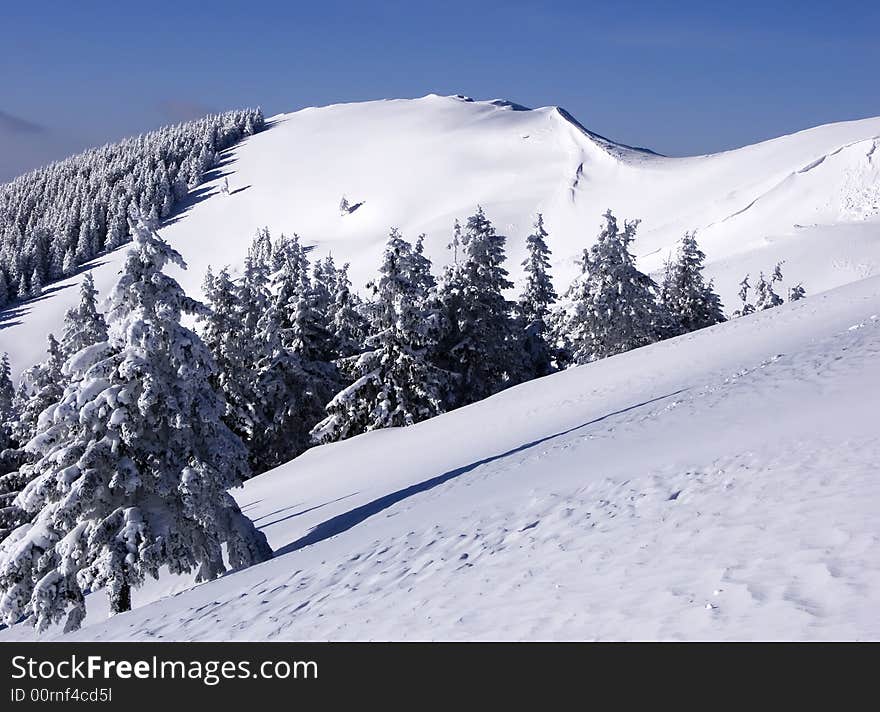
719	485
811	198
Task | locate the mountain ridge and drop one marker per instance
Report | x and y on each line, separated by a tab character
810	198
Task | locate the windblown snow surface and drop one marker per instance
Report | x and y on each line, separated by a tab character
720	485
811	198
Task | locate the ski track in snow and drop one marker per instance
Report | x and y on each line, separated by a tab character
722	485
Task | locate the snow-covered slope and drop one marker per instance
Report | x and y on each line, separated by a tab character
812	198
718	485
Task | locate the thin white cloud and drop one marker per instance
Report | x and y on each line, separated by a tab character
11	124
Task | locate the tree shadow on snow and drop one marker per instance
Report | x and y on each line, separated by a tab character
345	521
296	514
14	313
203	191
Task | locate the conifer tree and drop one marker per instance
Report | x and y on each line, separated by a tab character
765	296
479	344
796	293
296	376
286	407
4	289
69	265
611	307
303	320
536	300
690	300
254	291
234	349
394	382
323	286
84	325
13	477
241	357
7	403
420	268
134	462
348	326
11	456
36	283
41	386
747	307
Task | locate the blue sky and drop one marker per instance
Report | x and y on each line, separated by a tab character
681	78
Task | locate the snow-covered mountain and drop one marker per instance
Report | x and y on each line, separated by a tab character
812	198
718	485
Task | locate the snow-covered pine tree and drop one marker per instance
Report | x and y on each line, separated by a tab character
455	243
240	356
36	284
480	342
222	333
611	307
776	277
394	382
84	325
296	376
134	461
40	386
348	327
323	287
534	303
8	413
762	296
4	289
286	407
690	300
11	456
765	296
538	294
777	272
796	293
254	289
13	477
747	307
420	272
234	348
84	245
69	265
306	331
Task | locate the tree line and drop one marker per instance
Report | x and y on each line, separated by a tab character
57	218
120	447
